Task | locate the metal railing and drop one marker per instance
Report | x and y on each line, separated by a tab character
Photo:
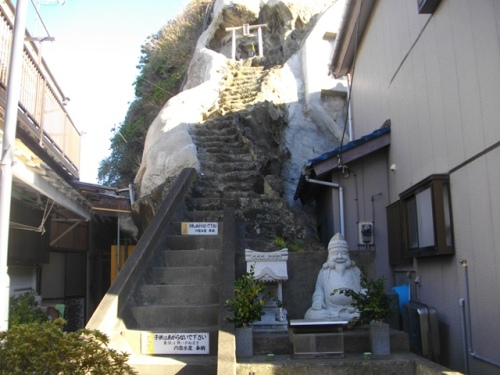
41	99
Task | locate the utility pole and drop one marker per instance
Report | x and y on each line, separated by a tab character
8	143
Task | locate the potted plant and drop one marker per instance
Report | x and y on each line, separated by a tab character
246	306
374	306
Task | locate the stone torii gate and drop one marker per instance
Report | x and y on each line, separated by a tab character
246	32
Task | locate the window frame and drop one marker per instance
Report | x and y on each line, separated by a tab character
439	185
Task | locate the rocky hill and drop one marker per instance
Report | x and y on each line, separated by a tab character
249	124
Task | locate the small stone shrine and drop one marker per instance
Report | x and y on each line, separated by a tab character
271	268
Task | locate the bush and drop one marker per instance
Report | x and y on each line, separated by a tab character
372	302
45	348
247	303
25	309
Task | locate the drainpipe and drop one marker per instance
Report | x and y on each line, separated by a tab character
461	302
9	136
341	198
340	36
474	355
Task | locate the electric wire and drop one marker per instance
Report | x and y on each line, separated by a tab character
40	18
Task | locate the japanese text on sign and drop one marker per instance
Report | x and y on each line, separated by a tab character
175	343
193	229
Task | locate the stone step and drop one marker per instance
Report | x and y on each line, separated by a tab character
180	295
203	130
183	276
244	90
216	193
243	166
190	258
224	157
200	216
179	242
217	123
208	204
175	316
223	149
233	176
221	144
204	137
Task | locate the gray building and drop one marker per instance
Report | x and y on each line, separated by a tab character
430	71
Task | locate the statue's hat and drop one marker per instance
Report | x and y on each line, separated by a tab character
337	243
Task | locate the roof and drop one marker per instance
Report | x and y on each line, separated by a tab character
321	166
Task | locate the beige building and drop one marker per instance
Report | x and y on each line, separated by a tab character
432	68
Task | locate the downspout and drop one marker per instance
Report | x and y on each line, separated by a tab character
467	320
341	33
341	198
9	135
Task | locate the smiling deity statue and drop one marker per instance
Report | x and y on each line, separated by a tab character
339	271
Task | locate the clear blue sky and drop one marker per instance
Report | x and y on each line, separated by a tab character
93	59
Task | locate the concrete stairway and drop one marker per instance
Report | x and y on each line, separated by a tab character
180	294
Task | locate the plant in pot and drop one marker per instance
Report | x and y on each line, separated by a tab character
246	306
374	306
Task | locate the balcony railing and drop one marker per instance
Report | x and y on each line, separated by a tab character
41	99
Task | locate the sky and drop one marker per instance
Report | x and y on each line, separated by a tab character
94	58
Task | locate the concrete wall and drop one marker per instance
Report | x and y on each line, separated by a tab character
437	77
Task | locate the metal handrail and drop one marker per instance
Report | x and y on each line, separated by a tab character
41	98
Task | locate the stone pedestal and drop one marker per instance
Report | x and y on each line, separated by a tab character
380	341
244	342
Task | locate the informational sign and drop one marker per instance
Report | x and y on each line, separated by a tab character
194	229
175	343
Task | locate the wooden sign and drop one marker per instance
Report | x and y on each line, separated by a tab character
175	343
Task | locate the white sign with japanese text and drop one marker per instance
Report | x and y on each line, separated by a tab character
193	229
175	343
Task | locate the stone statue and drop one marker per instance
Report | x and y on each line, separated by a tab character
339	271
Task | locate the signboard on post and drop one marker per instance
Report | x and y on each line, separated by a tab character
175	343
193	229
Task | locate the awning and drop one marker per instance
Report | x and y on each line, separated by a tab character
321	166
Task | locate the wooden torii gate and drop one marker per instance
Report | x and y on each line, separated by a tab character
246	32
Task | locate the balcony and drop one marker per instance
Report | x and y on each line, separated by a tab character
43	123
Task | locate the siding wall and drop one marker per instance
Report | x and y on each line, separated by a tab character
438	79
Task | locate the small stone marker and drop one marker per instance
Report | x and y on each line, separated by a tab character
175	343
194	229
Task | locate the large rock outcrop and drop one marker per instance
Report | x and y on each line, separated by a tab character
287	120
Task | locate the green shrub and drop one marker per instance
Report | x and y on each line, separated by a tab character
372	302
25	309
247	303
280	242
297	246
45	348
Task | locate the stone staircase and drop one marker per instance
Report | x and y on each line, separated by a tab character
241	88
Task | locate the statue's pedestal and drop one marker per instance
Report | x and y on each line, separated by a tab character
273	320
317	338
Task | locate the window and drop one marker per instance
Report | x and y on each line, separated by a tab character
424	212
